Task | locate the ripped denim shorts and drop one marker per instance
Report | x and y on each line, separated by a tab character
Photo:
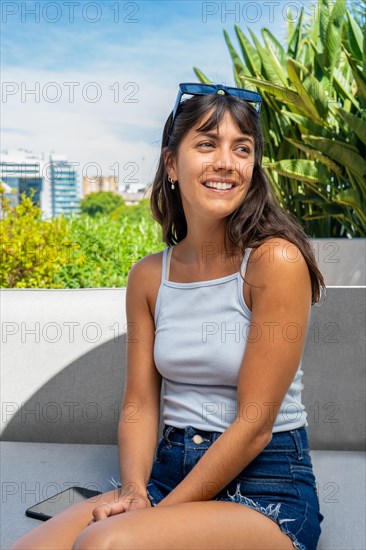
279	482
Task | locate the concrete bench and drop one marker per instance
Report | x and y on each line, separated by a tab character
62	380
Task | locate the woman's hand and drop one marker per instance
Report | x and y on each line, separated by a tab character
125	503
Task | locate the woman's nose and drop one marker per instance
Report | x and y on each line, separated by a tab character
224	159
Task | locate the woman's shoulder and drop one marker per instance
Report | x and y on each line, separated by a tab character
145	275
275	249
281	282
276	257
149	265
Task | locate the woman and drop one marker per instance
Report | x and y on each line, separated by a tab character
221	317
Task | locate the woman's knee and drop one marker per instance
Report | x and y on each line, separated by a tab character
95	536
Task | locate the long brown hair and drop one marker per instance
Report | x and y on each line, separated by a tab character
259	217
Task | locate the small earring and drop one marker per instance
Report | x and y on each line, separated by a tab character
172	182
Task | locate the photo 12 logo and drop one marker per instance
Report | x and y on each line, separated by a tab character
70	12
53	92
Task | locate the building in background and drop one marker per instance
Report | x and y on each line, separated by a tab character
63	181
94	184
54	181
131	193
134	198
21	170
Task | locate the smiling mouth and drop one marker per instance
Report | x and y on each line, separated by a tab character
218	186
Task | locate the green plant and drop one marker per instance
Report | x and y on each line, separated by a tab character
73	251
313	116
102	202
30	246
134	211
102	250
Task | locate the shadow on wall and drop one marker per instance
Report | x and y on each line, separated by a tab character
80	404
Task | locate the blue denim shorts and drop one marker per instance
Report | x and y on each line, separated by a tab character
279	482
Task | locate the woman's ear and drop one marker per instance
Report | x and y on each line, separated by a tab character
169	164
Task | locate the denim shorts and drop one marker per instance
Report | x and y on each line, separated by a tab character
279	482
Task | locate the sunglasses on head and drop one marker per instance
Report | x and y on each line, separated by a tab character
197	88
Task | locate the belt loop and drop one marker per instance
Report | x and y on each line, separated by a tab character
298	443
168	431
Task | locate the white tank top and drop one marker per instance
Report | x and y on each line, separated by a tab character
201	329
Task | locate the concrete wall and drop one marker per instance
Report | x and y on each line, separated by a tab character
341	261
63	360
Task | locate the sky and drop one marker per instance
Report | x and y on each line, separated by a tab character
96	81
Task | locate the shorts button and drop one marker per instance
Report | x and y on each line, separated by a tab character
197	438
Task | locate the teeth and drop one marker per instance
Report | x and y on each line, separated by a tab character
218	185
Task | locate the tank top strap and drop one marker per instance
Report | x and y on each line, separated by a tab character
244	263
167	252
169	255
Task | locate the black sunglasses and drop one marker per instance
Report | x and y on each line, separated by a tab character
197	88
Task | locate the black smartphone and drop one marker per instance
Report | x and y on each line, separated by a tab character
58	503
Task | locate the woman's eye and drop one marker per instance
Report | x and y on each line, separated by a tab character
245	149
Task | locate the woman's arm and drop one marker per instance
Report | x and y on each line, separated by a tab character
139	419
281	300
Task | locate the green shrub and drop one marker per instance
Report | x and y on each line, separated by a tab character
76	250
102	202
103	250
30	246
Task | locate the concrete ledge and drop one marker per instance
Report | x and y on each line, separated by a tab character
31	472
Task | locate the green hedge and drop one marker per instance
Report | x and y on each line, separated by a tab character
74	251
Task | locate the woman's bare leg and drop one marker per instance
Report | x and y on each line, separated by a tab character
213	525
206	525
60	532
